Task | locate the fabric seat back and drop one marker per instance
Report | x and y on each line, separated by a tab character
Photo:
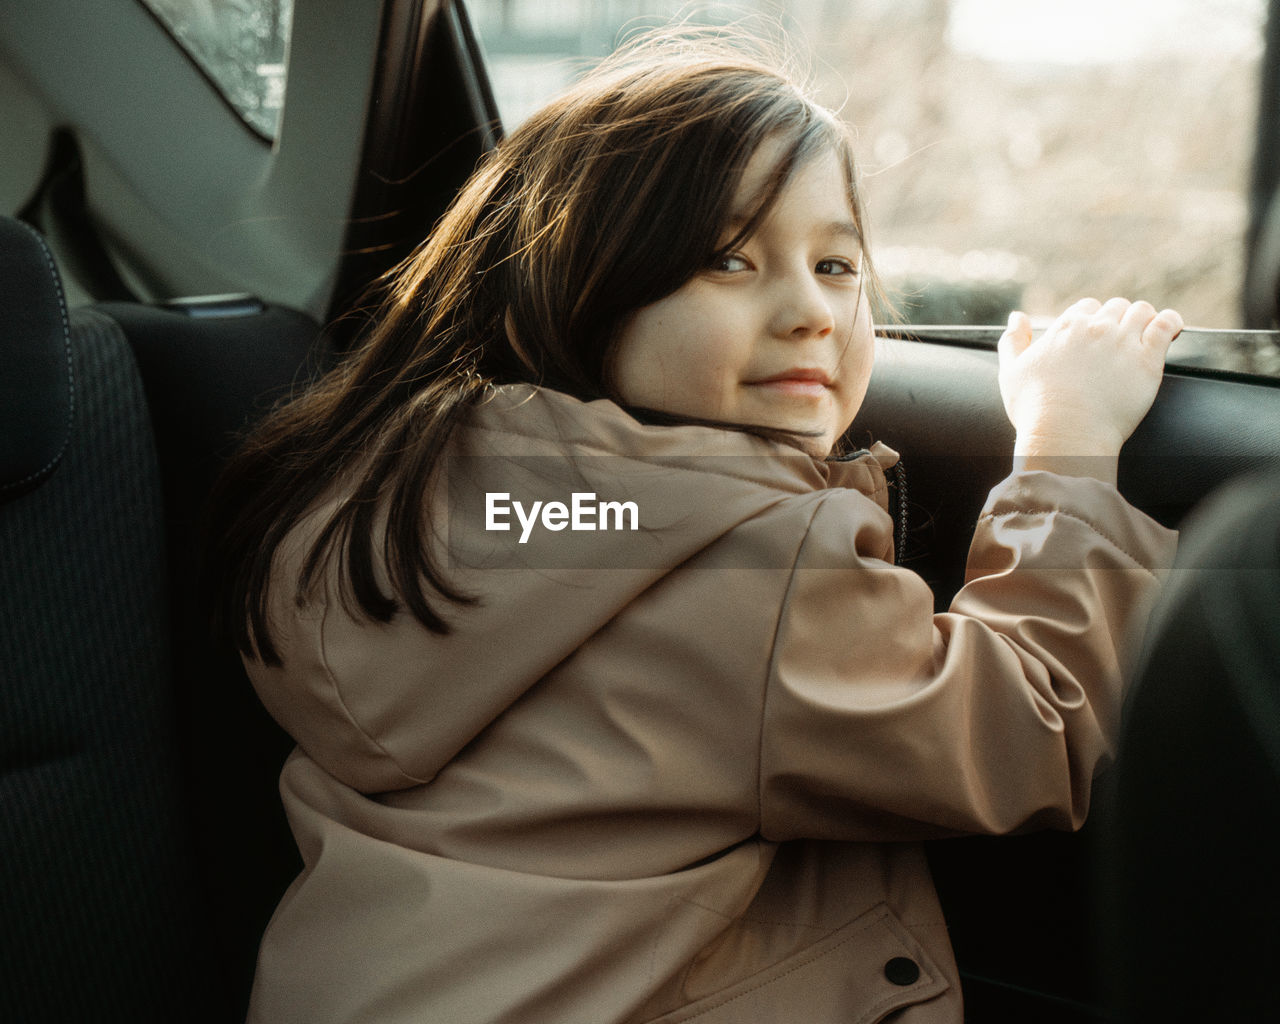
97	895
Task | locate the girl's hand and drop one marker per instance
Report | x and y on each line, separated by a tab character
1082	387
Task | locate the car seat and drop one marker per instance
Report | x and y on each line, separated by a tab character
96	876
1191	905
142	845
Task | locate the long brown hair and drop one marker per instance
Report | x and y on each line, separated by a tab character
608	199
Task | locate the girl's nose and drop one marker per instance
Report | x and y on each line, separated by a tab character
803	310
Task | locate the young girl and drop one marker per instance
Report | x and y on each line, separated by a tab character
611	705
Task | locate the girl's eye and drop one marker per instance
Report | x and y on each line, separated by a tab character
836	267
730	262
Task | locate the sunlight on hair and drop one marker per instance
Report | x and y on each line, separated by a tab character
764	36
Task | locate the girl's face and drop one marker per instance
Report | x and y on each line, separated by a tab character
776	334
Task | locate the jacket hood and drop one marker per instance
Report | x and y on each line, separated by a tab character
554	514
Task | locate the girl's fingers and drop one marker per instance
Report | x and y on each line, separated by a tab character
1083	306
1017	336
1116	308
1162	328
1137	316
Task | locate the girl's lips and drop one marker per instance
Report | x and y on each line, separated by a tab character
806	383
794	386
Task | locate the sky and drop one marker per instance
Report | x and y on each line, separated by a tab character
1105	31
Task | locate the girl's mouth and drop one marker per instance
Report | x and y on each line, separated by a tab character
804	382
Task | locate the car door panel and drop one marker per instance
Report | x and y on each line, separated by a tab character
1021	909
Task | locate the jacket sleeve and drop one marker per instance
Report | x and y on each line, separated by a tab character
884	721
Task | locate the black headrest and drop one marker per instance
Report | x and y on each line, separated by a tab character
36	393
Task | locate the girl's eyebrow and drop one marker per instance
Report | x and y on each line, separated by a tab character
845	228
831	229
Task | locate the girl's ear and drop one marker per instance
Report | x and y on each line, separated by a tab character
509	325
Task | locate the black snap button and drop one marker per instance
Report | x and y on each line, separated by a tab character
902	970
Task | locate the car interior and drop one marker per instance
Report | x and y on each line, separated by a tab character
167	273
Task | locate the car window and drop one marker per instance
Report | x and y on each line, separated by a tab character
241	46
1013	155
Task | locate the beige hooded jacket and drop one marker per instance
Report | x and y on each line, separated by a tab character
678	772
